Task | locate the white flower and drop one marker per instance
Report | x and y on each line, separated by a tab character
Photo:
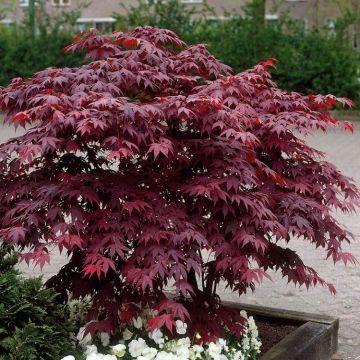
162	355
181	327
119	350
69	357
149	353
246	343
105	339
90	349
257	345
254	333
222	343
239	356
182	348
184	342
136	347
195	352
214	350
223	357
95	356
243	314
127	334
83	340
251	324
198	348
109	357
138	323
157	336
183	353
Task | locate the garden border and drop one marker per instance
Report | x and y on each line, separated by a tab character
315	339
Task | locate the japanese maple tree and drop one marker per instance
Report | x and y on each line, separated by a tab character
154	167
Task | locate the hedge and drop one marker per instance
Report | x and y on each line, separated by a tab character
22	55
309	61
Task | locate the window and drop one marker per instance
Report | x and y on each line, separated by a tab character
61	2
105	24
191	1
355	42
272	17
330	26
7	22
25	3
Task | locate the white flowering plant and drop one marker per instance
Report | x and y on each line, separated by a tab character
136	342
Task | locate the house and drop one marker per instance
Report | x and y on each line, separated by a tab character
317	13
99	13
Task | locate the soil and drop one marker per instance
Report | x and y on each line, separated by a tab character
273	331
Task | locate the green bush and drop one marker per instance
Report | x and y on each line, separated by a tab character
22	55
309	61
33	325
166	14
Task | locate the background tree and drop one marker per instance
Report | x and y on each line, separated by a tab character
350	18
256	11
168	14
22	53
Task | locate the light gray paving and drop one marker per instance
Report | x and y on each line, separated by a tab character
7	132
344	150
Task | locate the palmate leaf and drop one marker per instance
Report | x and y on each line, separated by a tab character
155	166
167	321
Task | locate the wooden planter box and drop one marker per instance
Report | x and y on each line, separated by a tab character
315	338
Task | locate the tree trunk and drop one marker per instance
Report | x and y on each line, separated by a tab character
259	12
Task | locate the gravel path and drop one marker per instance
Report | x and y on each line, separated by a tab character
343	150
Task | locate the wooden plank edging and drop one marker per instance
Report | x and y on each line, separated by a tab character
315	339
282	313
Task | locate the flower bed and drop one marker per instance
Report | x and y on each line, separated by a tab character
138	343
301	336
279	334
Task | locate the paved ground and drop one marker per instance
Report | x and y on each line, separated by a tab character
344	151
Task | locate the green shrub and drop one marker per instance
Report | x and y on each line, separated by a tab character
7	259
22	55
33	325
309	61
166	14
